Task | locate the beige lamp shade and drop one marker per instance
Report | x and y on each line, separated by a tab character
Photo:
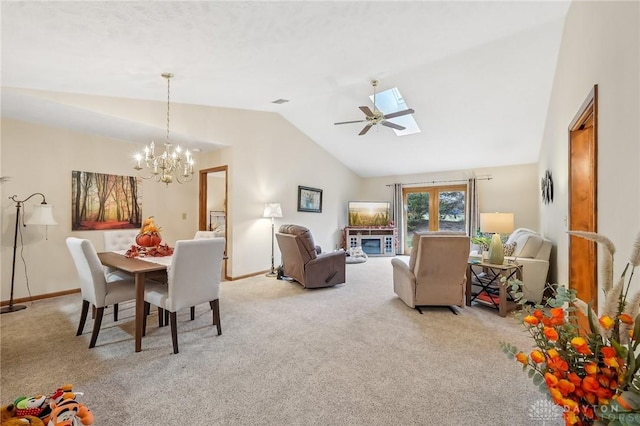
496	223
42	215
272	210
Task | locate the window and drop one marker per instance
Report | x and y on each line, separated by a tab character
435	208
390	101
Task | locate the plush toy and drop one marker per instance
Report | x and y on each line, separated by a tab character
58	409
70	413
8	418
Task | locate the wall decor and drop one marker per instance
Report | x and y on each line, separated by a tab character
309	199
101	201
546	186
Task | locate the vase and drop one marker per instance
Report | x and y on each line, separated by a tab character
149	240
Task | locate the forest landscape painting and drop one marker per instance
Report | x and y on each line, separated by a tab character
102	201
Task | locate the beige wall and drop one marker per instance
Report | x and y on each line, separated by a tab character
600	46
40	159
510	189
267	162
267	166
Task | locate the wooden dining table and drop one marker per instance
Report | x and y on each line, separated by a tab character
139	269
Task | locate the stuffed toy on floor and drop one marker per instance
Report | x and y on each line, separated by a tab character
8	418
58	409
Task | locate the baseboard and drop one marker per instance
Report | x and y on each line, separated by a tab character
40	297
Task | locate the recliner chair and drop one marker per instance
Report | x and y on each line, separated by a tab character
304	262
436	273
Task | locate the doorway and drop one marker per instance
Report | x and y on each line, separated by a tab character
213	206
433	208
583	179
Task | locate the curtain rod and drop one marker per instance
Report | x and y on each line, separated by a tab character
441	181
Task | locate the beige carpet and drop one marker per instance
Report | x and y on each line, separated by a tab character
353	354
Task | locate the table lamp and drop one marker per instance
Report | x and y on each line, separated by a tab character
272	210
496	223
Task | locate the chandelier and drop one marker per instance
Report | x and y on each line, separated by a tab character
173	164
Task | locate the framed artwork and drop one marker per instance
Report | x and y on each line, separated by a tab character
100	201
546	186
309	199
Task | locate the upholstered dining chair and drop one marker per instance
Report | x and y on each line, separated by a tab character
204	234
96	289
116	240
119	239
193	277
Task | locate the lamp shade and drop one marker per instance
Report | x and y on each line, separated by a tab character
499	223
42	215
272	210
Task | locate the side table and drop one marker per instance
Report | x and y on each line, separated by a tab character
493	291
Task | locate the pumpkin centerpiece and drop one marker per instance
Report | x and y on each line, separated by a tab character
149	235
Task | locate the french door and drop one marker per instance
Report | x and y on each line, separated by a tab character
433	208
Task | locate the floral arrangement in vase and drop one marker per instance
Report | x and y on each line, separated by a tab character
591	374
149	235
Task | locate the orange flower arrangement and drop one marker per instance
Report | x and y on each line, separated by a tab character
592	375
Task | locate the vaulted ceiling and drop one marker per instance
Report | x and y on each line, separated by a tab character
477	73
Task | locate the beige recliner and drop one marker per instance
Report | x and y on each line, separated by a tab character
303	261
436	273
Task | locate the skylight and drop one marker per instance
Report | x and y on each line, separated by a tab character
392	101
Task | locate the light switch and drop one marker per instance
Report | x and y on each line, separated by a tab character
184	216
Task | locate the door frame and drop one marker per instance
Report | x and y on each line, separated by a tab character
587	113
202	207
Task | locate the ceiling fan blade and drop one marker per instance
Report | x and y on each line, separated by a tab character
349	122
367	111
365	130
392	125
399	113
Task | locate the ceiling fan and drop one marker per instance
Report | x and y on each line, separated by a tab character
377	117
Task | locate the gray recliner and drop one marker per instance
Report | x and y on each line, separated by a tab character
304	262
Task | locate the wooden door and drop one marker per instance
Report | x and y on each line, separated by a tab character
583	202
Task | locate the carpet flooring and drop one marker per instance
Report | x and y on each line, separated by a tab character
353	354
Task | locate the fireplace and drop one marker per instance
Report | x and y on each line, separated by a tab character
372	246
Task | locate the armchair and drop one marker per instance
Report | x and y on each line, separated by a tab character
436	273
304	262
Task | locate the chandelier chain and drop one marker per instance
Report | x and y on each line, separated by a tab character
168	103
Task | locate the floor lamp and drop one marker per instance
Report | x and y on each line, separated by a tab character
42	215
272	210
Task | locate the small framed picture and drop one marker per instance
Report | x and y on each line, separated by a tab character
309	199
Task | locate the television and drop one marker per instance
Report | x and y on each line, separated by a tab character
369	213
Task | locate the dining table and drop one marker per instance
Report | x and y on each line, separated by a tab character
139	268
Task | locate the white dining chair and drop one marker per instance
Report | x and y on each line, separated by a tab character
193	278
204	234
96	289
117	240
120	239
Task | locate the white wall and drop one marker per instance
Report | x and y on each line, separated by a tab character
511	189
600	46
